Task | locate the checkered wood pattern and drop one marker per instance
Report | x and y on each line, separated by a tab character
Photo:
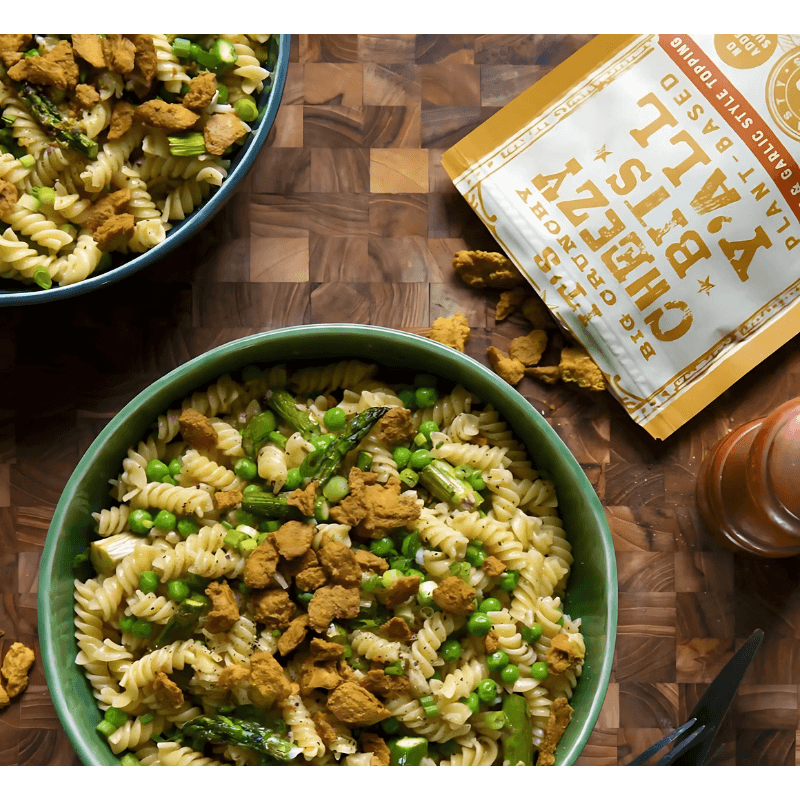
348	216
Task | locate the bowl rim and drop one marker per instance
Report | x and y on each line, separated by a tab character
203	362
185	229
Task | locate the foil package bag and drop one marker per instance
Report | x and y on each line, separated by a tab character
649	190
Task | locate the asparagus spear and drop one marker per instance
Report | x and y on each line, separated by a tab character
256	433
283	404
49	117
219	729
266	504
440	479
183	623
518	744
327	460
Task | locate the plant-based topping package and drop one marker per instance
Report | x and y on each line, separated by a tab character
649	190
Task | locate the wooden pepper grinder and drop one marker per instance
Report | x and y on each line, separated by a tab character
748	489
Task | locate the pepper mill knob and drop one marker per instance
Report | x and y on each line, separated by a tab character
748	489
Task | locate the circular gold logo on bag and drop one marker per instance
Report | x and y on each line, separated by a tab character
783	93
745	50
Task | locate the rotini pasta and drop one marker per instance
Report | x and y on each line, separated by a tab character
223	600
91	118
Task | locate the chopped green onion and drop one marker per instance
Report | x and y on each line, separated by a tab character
130	760
115	716
394	669
225	55
42	277
146	719
429	706
222	94
247	546
277	438
181	48
105	728
27	161
409	478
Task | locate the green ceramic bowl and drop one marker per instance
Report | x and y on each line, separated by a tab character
592	590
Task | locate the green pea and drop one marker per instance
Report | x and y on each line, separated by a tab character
305	597
140	521
408	399
335	418
186	527
479	624
246	109
427	428
472	702
531	634
251	488
420	459
509	674
336	489
126	623
148	581
141	628
539	670
450	650
400	563
156	471
382	547
426	397
411	572
490	604
246	469
509	581
294	480
497	660
165	520
391	725
401	456
371	583
411	543
475	556
391	576
175	466
487	690
178	590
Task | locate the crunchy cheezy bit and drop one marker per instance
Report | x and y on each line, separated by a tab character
483	270
511	370
578	367
452	331
16	664
342	596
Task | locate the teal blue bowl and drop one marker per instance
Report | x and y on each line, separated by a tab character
592	589
14	294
